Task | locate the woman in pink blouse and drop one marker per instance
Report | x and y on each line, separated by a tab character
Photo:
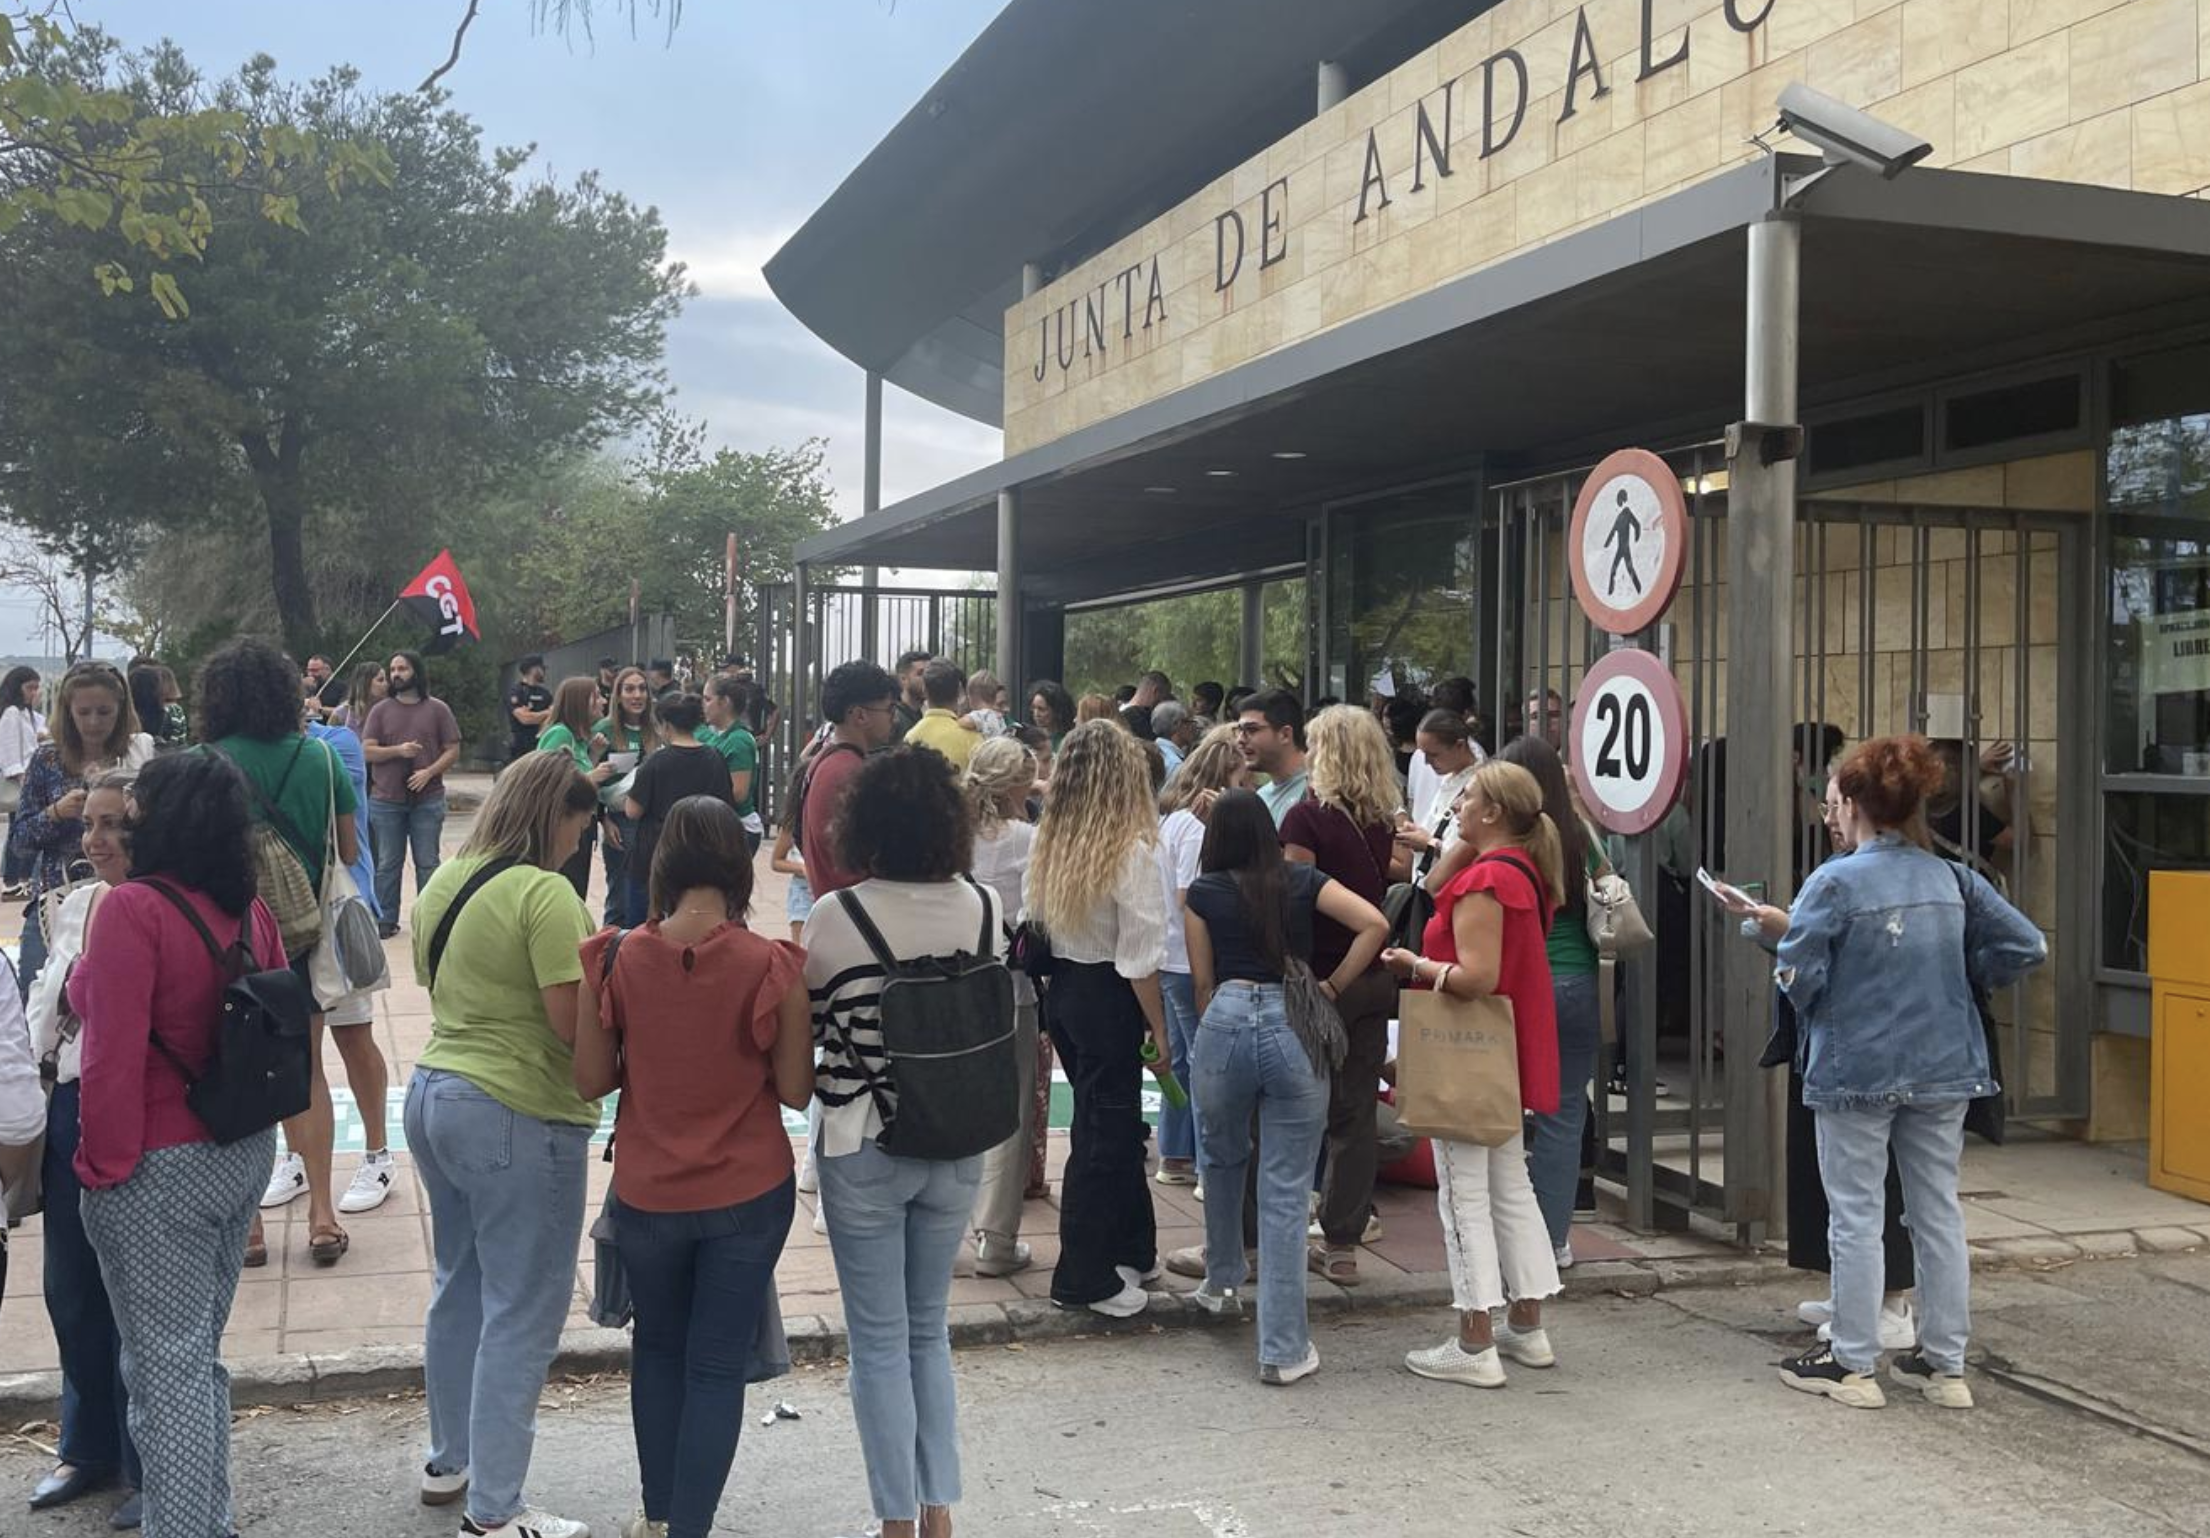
166	1207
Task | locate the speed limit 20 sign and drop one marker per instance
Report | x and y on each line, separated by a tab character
1629	741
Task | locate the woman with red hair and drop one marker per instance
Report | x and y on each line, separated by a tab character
1883	953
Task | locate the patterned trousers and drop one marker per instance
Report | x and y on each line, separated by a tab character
171	1240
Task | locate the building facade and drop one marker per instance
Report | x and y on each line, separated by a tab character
1359	292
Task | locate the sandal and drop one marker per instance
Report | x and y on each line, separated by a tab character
1337	1266
257	1246
328	1245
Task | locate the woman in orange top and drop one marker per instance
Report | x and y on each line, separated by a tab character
706	1029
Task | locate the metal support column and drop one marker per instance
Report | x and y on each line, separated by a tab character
1760	705
805	699
1251	652
1334	84
870	501
1009	590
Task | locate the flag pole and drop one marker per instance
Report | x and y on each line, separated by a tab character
337	674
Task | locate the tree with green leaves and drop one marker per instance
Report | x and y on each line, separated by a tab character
349	377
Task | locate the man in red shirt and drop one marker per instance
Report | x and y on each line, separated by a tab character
857	700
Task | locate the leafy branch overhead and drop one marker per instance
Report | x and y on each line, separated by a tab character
145	157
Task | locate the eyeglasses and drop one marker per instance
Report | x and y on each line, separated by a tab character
1251	728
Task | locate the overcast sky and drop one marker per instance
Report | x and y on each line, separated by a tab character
736	133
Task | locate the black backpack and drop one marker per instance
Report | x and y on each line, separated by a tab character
261	1068
948	1044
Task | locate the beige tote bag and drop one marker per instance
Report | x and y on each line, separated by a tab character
1457	1068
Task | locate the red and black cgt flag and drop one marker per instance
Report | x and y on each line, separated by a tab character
439	598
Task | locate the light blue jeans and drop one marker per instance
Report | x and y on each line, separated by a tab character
1246	1059
1178	1134
1554	1141
1853	1166
395	827
895	1227
506	1218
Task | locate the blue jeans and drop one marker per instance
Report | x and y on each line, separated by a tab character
895	1226
506	1220
1554	1141
393	828
95	1433
616	912
1178	1134
1247	1058
699	1281
1928	1141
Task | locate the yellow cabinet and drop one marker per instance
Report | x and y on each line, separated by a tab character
2179	1075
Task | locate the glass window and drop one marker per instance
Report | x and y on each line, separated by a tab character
2145	832
1401	575
2157	473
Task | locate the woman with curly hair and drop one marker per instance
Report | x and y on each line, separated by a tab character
1213	766
1881	958
95	728
998	782
1346	826
250	713
895	1224
1051	709
1093	887
164	1204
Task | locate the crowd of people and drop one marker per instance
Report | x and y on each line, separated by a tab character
1228	894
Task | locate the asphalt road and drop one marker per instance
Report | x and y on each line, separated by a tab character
1663	1417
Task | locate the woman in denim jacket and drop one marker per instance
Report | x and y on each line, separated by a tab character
1880	960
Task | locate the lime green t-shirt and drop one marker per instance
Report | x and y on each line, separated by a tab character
520	933
741	753
559	739
306	775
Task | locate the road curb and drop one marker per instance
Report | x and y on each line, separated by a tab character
313	1378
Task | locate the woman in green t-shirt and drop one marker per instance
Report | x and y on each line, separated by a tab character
500	1137
631	736
573	730
1554	1146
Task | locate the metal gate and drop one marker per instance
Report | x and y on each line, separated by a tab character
849	623
1943	621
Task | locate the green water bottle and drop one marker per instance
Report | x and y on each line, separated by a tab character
1169	1086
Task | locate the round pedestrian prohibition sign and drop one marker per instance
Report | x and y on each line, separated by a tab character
1628	541
1629	741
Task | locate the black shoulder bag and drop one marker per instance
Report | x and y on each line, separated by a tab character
491	872
261	1069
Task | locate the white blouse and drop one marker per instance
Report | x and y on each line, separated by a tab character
1128	930
21	731
1181	841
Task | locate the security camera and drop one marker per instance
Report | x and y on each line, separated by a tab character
1844	135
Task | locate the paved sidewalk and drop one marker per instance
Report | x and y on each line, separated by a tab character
2039	1201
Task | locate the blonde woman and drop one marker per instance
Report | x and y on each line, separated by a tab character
1213	766
500	1136
1346	826
1095	707
1487	940
999	780
1093	887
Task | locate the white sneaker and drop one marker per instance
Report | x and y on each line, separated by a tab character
442	1489
809	1175
1529	1348
529	1523
994	1257
1224	1304
1451	1362
1198	1191
1124	1304
820	1221
1283	1376
1816	1310
288	1183
1135	1278
639	1526
1898	1328
371	1184
1565	1256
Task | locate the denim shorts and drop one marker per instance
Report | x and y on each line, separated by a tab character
798	901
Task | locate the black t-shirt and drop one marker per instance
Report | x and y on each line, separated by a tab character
1217	900
522	739
757	708
665	778
1949	826
1138	718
